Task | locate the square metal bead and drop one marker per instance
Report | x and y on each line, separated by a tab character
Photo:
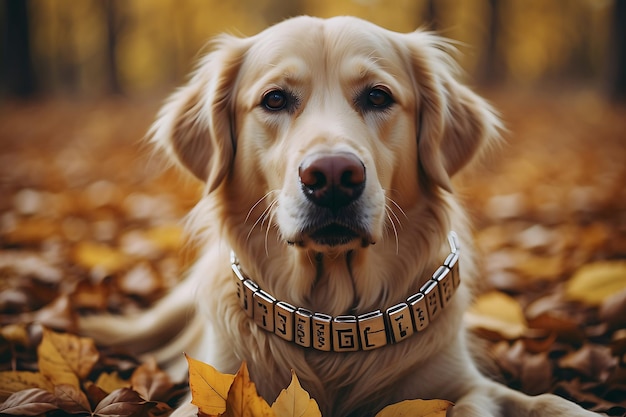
246	300
433	298
322	337
345	334
400	321
372	330
302	332
284	320
419	311
264	310
452	262
443	277
453	241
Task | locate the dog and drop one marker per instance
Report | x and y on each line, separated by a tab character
332	240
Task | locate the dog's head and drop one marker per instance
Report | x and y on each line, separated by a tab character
325	131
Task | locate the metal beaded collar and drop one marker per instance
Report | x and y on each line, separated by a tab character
351	333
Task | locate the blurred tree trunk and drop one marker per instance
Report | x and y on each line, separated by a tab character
19	73
430	15
490	69
113	26
617	53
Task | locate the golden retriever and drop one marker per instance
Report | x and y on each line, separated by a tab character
332	238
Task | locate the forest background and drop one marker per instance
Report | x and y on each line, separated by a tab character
90	221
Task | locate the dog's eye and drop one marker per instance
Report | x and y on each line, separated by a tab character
374	99
379	98
275	100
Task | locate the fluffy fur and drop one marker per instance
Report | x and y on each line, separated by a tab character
219	127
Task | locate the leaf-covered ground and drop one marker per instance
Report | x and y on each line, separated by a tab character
90	222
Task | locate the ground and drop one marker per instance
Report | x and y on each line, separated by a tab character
90	222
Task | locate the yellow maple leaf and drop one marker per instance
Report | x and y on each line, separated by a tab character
209	388
295	401
92	255
497	312
66	358
243	399
109	382
593	283
416	408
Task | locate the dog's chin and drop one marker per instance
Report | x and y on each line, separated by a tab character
333	237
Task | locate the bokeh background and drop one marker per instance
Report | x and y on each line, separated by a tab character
91	220
97	47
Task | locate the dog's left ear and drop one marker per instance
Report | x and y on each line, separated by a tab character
454	123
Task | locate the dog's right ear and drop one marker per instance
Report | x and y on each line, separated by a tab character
195	124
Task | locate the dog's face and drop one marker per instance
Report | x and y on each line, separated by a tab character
327	131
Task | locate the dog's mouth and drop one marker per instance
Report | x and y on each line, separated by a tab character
333	235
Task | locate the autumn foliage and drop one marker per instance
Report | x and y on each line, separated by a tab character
90	222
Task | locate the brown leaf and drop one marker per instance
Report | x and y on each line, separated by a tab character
417	408
29	402
294	401
243	399
123	402
71	399
65	358
593	361
151	382
613	309
209	388
563	327
57	315
536	375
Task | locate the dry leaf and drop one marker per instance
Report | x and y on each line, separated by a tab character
65	358
417	408
14	381
29	402
499	313
166	237
103	257
594	283
109	382
243	399
209	388
294	401
71	399
123	402
151	382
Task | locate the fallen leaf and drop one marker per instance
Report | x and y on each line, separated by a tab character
594	283
123	402
109	382
29	402
592	361
613	309
536	374
66	358
151	382
417	408
497	312
96	255
243	399
13	381
562	326
294	401
71	399
209	388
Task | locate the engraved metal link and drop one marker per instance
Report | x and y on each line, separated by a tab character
446	287
284	320
372	330
452	262
303	325
264	310
322	338
247	303
433	299
419	311
399	317
345	334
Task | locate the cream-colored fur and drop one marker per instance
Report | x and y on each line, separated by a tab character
219	128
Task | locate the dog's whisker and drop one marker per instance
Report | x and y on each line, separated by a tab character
393	226
261	219
257	203
397	206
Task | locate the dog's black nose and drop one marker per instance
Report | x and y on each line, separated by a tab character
332	181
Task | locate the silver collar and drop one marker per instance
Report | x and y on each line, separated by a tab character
351	333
